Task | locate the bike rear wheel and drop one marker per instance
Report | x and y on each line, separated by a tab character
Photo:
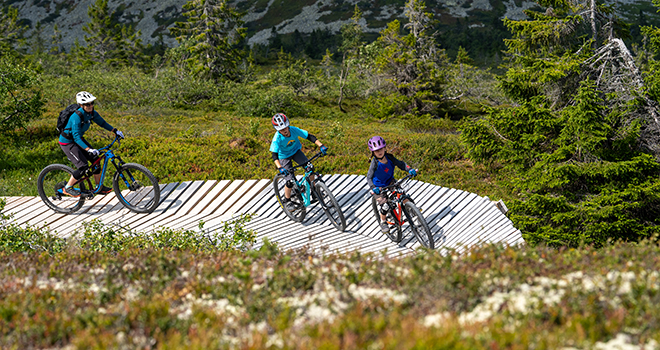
296	210
418	225
51	182
330	206
137	188
394	234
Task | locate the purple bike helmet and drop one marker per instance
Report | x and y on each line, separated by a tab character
375	143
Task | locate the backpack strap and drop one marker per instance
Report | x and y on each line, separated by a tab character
68	135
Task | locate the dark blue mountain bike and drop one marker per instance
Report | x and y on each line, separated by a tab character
135	186
304	193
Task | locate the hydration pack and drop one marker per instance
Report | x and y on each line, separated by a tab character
63	119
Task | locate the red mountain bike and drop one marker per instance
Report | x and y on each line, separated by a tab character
400	210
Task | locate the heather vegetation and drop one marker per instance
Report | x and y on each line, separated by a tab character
567	135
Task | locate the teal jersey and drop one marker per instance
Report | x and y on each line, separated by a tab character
286	147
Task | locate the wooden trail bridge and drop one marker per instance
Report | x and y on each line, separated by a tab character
457	218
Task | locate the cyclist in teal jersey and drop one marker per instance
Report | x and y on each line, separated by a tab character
286	147
76	148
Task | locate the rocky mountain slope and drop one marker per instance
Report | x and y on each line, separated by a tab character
154	17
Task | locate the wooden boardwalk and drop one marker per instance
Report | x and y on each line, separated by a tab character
456	218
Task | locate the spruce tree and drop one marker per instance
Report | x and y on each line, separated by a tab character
212	33
576	145
413	63
11	32
351	34
109	42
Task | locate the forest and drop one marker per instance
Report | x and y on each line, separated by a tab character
565	130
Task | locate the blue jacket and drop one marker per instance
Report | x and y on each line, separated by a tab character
78	125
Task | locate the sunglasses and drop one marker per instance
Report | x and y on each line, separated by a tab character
88	104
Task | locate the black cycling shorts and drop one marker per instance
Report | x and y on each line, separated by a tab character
299	157
77	155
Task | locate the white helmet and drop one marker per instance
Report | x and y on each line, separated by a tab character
84	97
280	121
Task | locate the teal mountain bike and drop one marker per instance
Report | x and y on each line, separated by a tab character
134	185
305	192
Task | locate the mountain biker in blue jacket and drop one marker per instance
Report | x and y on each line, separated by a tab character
286	147
76	148
381	174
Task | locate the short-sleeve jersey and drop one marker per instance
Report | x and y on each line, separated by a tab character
286	147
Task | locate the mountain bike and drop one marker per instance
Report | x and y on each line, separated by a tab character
305	192
401	209
135	186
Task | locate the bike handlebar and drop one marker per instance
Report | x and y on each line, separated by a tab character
317	155
398	183
117	138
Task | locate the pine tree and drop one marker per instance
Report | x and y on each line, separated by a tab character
212	31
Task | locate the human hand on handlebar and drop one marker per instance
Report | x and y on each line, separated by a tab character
376	190
324	150
413	172
93	152
283	171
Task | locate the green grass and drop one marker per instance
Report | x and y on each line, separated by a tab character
178	145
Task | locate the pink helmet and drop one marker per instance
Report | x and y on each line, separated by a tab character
280	121
375	143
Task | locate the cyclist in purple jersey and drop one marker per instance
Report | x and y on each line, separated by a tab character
286	147
381	174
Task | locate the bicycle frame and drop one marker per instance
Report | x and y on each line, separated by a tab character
110	157
309	170
397	196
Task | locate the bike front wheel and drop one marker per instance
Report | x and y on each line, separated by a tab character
330	206
50	184
394	234
137	188
418	225
295	208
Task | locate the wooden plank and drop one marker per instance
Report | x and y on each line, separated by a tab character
24	208
210	198
247	196
187	198
11	202
474	225
462	238
230	191
104	212
49	218
123	217
72	222
192	203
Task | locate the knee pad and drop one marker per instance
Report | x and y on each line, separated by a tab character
80	172
384	208
289	184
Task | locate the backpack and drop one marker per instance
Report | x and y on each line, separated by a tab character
63	119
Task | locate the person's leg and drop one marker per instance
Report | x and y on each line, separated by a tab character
286	164
77	156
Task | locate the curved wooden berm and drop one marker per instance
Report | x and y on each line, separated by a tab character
457	218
